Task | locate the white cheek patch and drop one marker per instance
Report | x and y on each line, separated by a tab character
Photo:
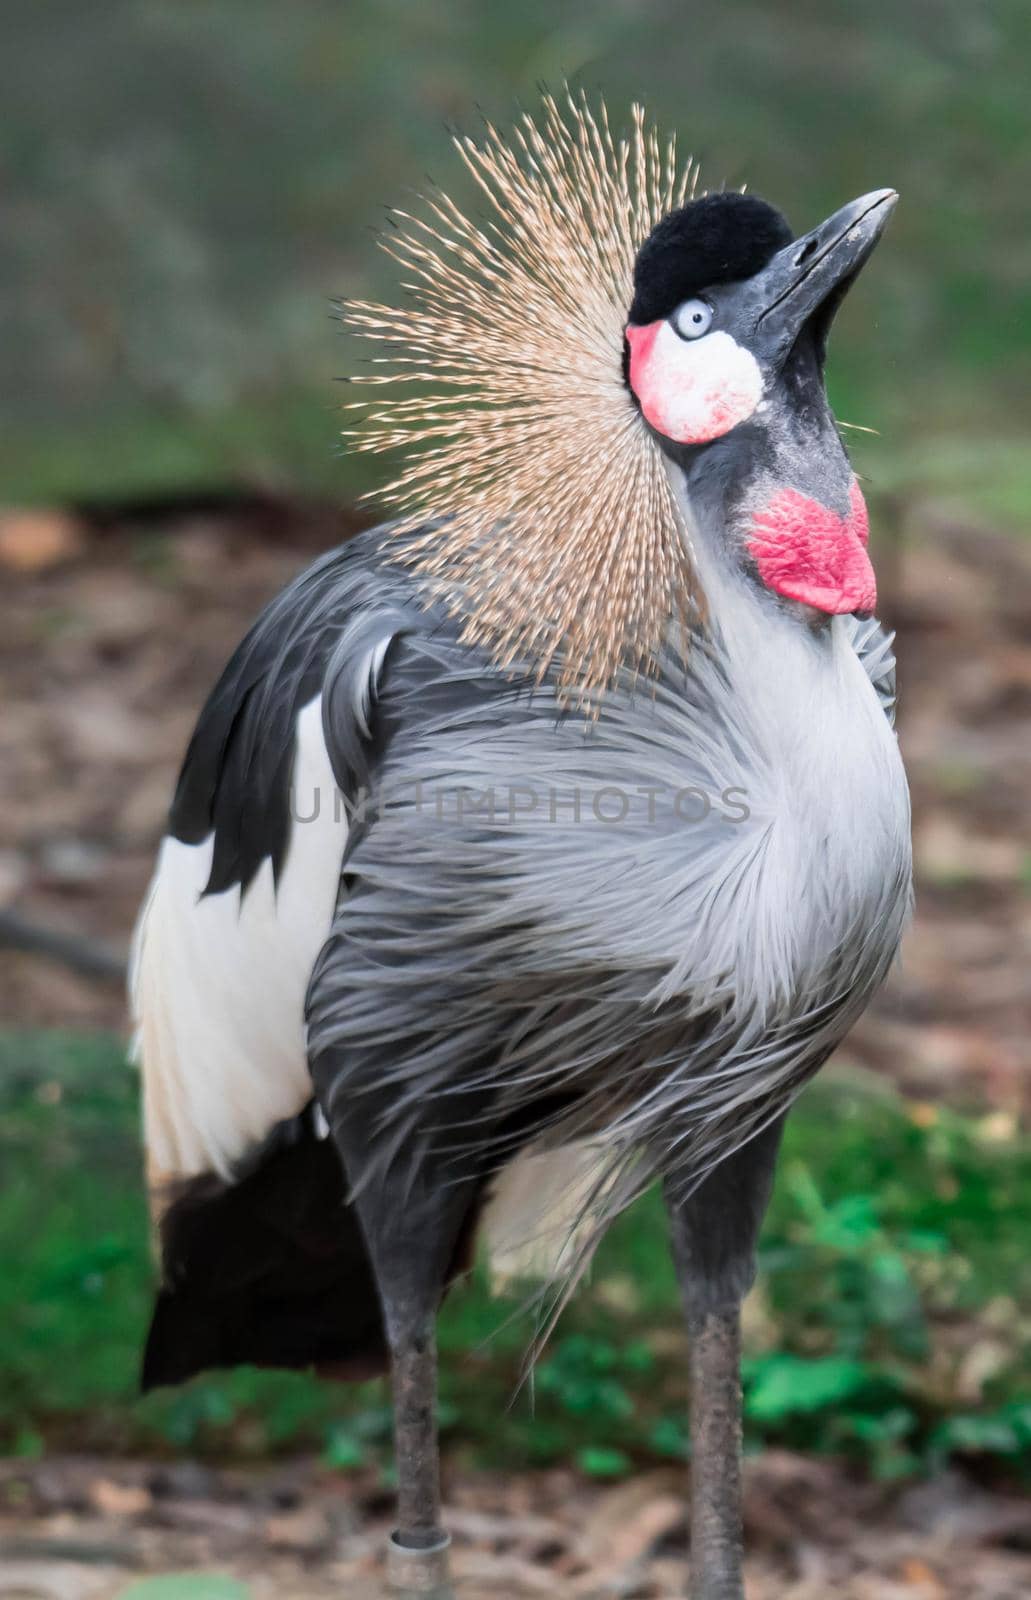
692	390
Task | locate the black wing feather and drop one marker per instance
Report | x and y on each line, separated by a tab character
236	777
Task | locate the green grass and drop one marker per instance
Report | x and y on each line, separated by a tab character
892	1323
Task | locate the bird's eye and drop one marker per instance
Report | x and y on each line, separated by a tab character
692	319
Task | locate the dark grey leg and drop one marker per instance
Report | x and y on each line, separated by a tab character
412	1227
415	1438
412	1208
716	1544
411	1240
714	1235
418	1556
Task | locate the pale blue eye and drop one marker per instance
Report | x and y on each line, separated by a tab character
692	319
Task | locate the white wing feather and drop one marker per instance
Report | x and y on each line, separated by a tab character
218	986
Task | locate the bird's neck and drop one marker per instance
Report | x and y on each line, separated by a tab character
776	521
764	645
796	681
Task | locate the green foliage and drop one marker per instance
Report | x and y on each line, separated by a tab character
1005	1432
780	1386
597	1462
186	1586
892	1323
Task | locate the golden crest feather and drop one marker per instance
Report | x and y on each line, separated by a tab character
559	539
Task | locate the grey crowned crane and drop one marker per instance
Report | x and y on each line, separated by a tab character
545	841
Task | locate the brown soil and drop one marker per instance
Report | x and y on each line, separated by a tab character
77	1529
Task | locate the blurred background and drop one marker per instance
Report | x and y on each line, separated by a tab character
185	188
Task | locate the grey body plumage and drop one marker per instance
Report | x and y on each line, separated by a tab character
669	920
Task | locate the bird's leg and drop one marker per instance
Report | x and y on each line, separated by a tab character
716	1539
714	1233
417	1557
415	1173
411	1225
414	1360
413	1206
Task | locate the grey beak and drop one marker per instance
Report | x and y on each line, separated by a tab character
815	272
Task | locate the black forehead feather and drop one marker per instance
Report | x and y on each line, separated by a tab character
720	238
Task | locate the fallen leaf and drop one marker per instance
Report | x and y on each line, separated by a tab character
303	1530
604	1536
14	874
503	1575
119	1499
918	1575
632	1541
33	541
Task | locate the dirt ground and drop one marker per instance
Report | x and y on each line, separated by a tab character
112	628
86	1530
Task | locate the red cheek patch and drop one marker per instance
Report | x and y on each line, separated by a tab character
806	552
642	342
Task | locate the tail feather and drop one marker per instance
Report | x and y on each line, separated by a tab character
270	1270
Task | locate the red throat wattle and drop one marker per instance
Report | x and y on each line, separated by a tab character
807	552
